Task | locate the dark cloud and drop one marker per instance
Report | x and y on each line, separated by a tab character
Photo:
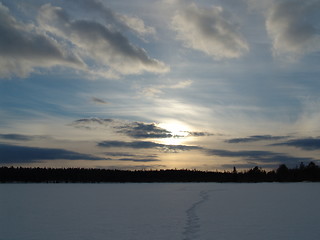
256	138
147	145
210	30
199	134
309	144
138	130
293	26
144	130
257	157
16	137
125	22
123	154
119	154
52	38
139	159
23	48
24	154
103	44
93	120
91	123
98	100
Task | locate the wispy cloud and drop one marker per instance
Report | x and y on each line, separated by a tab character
131	129
23	48
139	160
293	26
257	157
156	90
54	38
98	100
199	134
108	48
138	130
144	130
309	144
256	138
97	7
24	154
146	145
92	123
209	30
16	137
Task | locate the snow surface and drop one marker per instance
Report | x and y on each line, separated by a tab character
151	211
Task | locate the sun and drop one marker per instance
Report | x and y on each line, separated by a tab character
178	130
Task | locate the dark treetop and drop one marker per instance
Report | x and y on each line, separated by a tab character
311	172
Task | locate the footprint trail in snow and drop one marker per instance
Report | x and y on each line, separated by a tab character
192	228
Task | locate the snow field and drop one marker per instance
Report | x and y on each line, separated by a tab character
166	211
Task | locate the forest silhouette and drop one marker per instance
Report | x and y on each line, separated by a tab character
310	172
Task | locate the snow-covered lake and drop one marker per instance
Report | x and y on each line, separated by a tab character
166	211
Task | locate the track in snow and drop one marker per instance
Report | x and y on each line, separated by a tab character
192	227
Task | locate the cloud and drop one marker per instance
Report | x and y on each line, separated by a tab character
99	50
309	144
147	145
131	129
209	30
137	130
259	156
293	26
255	138
199	134
16	137
107	47
98	100
24	154
130	157
23	48
133	23
135	167
92	123
155	90
144	130
123	154
119	154
139	160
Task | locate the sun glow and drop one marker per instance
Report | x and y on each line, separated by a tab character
178	130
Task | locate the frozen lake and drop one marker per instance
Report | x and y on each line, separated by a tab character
166	211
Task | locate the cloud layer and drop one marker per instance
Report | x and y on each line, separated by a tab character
146	145
138	130
107	47
309	144
23	154
23	48
293	26
209	30
255	138
258	157
81	44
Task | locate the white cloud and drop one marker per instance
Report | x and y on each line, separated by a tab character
133	23
136	24
293	26
107	48
23	48
209	30
98	50
155	90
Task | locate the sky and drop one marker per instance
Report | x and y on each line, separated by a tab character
159	84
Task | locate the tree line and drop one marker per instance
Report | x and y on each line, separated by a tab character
310	172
